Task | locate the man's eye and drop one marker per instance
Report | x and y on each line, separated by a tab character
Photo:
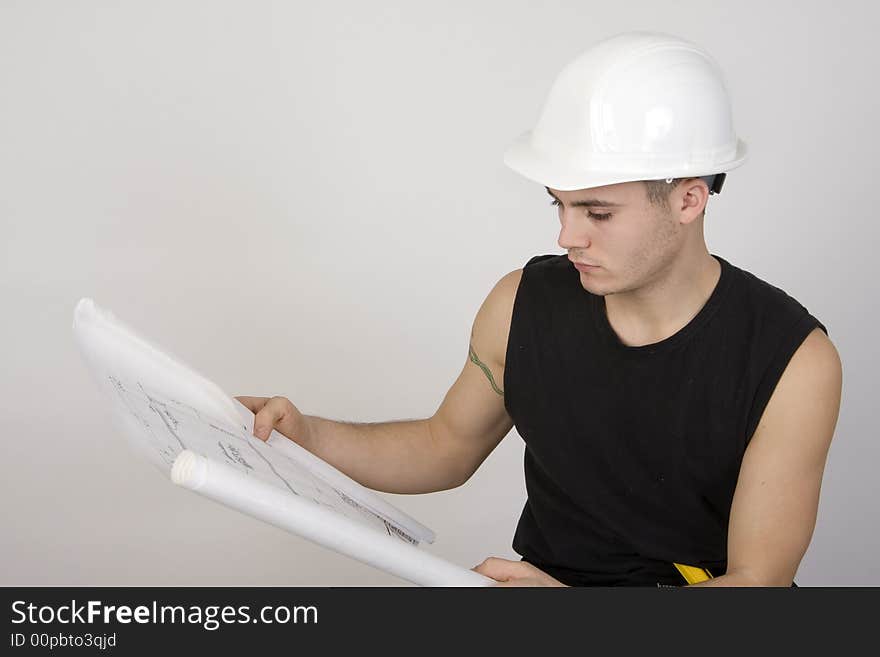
598	217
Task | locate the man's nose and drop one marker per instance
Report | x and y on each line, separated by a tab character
574	233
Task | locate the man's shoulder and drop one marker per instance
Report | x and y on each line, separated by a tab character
548	261
502	297
766	303
761	288
496	314
492	323
503	294
776	333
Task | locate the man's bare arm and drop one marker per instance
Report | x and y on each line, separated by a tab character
774	508
425	455
472	419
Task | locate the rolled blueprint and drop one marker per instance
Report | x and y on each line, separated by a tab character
188	428
249	495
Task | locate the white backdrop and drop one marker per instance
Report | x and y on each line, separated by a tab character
308	200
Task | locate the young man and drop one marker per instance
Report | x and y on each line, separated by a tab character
677	411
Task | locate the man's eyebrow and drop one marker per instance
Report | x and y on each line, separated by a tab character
588	202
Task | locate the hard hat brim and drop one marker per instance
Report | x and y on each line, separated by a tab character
526	160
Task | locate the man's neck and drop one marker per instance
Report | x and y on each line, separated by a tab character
664	306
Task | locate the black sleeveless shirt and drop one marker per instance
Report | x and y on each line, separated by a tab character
632	453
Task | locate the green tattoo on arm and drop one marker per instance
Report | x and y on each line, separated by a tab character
473	356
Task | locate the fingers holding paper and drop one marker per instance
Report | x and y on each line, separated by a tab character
515	573
276	413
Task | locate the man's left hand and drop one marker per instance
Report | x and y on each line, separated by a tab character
515	573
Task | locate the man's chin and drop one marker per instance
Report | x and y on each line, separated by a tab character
590	285
599	292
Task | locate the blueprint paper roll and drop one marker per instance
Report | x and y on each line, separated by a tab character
162	406
167	410
249	495
342	482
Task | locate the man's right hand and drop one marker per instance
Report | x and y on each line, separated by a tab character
280	414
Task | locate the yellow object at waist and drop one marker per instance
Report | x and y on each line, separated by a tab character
693	574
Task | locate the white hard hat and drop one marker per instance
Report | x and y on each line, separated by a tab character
636	106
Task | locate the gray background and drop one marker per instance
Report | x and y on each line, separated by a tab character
308	200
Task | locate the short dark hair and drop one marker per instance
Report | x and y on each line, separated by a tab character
658	191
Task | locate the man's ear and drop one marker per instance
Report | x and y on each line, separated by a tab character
691	197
